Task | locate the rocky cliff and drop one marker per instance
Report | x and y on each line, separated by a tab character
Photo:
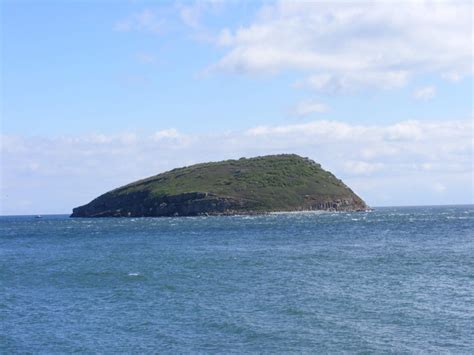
246	186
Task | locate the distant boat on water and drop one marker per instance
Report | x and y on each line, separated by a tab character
38	216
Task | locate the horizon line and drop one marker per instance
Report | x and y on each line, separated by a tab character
373	207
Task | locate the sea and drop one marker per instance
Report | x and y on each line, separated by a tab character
394	280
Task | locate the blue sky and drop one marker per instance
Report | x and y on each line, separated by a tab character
96	94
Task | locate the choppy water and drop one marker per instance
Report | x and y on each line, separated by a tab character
394	280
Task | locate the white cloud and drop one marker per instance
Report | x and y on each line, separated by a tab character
146	21
452	77
350	82
165	133
439	187
168	17
191	12
405	131
362	167
145	58
399	163
346	46
305	108
425	93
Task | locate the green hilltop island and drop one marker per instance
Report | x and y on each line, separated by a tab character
273	183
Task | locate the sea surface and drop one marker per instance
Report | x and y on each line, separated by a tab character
395	280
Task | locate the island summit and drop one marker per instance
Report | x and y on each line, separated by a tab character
272	183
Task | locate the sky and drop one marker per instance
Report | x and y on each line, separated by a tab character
96	94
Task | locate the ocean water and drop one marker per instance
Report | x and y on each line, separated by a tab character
394	280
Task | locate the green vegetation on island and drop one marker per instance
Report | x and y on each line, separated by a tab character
271	183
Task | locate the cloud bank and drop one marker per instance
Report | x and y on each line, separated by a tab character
409	162
346	46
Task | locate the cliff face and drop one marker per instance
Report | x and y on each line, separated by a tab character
244	186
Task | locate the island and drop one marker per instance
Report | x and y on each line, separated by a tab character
273	183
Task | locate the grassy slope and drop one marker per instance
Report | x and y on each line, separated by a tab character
276	181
